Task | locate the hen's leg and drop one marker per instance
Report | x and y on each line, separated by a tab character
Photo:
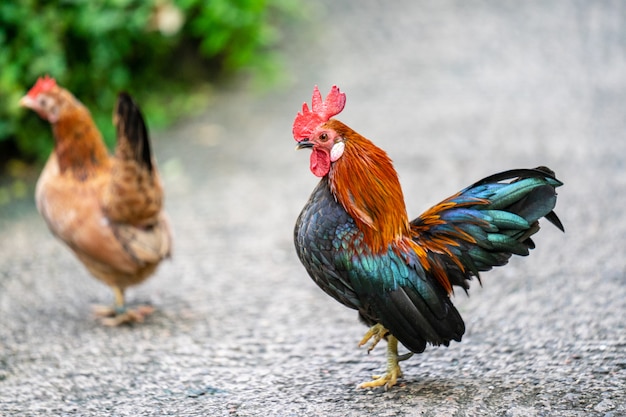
119	313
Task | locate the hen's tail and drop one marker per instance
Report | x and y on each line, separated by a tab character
487	222
133	142
134	195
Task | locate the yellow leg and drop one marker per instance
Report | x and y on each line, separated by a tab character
119	313
118	293
393	366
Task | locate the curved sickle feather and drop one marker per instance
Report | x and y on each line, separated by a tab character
484	224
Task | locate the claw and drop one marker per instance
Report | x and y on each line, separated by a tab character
114	316
378	332
393	367
388	380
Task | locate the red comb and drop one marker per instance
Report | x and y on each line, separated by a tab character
321	111
42	85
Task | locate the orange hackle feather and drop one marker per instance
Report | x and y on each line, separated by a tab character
366	184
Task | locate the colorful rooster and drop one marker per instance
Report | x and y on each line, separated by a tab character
357	243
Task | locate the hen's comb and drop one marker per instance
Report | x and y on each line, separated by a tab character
321	111
43	84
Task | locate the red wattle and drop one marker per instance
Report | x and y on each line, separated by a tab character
320	162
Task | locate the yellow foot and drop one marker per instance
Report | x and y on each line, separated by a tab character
393	360
388	380
378	332
112	316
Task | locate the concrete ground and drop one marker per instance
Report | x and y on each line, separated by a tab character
454	91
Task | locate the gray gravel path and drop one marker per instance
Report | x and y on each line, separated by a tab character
454	91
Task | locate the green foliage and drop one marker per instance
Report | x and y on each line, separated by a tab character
96	48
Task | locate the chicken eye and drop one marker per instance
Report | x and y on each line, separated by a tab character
324	137
43	101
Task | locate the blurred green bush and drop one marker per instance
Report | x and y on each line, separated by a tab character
161	51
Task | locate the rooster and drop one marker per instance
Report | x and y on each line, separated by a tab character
356	242
106	209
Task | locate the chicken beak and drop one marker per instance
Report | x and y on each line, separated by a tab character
304	144
31	103
27	102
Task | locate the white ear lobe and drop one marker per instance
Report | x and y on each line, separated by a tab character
336	151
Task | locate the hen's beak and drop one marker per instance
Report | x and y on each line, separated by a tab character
27	102
31	103
304	144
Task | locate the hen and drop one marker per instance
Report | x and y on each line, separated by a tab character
356	242
106	209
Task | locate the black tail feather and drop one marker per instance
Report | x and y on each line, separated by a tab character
554	219
131	127
539	172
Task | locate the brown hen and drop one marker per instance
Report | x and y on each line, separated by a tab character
107	209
